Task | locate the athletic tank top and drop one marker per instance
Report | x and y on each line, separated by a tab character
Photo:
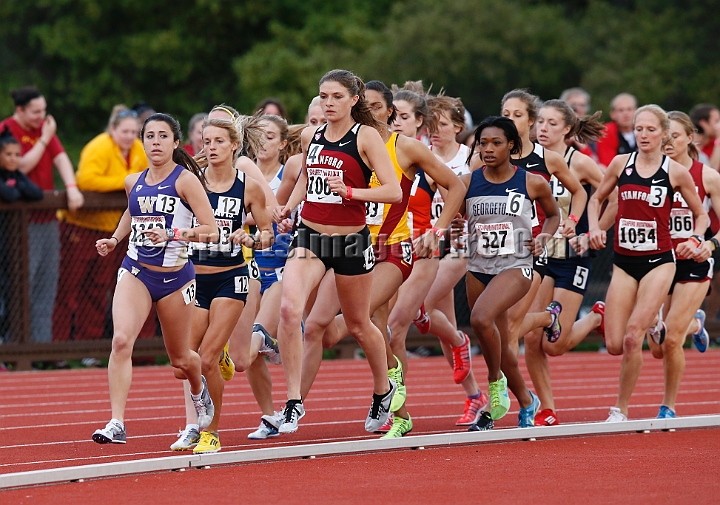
558	247
643	218
325	159
421	199
276	256
535	164
499	220
157	206
459	167
229	211
682	221
388	223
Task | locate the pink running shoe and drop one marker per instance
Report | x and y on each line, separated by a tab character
473	408
461	360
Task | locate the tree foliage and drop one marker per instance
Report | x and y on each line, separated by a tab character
184	56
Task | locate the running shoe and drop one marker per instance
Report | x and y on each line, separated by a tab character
473	408
268	427
546	417
396	374
499	399
380	409
657	332
484	423
461	359
701	339
269	346
113	432
599	308
422	321
294	411
552	332
388	424
665	412
616	416
209	442
526	416
227	367
400	428
204	406
187	438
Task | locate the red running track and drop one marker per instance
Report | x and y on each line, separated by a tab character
47	418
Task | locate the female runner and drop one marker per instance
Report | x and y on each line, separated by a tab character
644	262
567	271
521	107
413	116
339	159
692	275
498	205
222	274
162	201
393	253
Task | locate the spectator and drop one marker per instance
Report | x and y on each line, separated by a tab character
86	279
706	118
579	101
271	106
143	111
41	149
14	185
619	136
195	141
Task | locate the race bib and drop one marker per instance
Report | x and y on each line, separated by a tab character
318	189
167	204
224	244
139	224
374	213
658	194
407	252
558	190
495	239
229	206
369	258
638	235
533	216
514	203
241	284
189	293
436	208
682	224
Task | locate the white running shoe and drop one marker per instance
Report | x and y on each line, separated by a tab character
268	427
616	416
187	438
293	412
204	407
113	432
657	332
380	409
269	346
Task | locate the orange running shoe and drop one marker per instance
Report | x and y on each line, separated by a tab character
461	360
473	408
546	417
599	308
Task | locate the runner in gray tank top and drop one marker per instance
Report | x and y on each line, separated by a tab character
498	206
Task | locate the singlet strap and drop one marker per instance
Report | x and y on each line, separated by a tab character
539	150
665	164
569	152
631	159
356	128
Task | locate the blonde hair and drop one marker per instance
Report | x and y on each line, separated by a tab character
684	120
657	111
120	112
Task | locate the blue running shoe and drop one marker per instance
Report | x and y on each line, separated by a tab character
526	417
701	339
665	413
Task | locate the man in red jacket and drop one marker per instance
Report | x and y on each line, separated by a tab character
619	137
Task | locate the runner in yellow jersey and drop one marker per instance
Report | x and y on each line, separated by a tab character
388	225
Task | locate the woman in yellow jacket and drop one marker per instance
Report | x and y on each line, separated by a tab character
86	279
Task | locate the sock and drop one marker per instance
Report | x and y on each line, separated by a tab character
196	397
190	426
119	423
474	397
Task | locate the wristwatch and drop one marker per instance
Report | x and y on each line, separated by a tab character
170	234
715	243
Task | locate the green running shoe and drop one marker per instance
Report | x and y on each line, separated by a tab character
397	375
400	427
499	399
